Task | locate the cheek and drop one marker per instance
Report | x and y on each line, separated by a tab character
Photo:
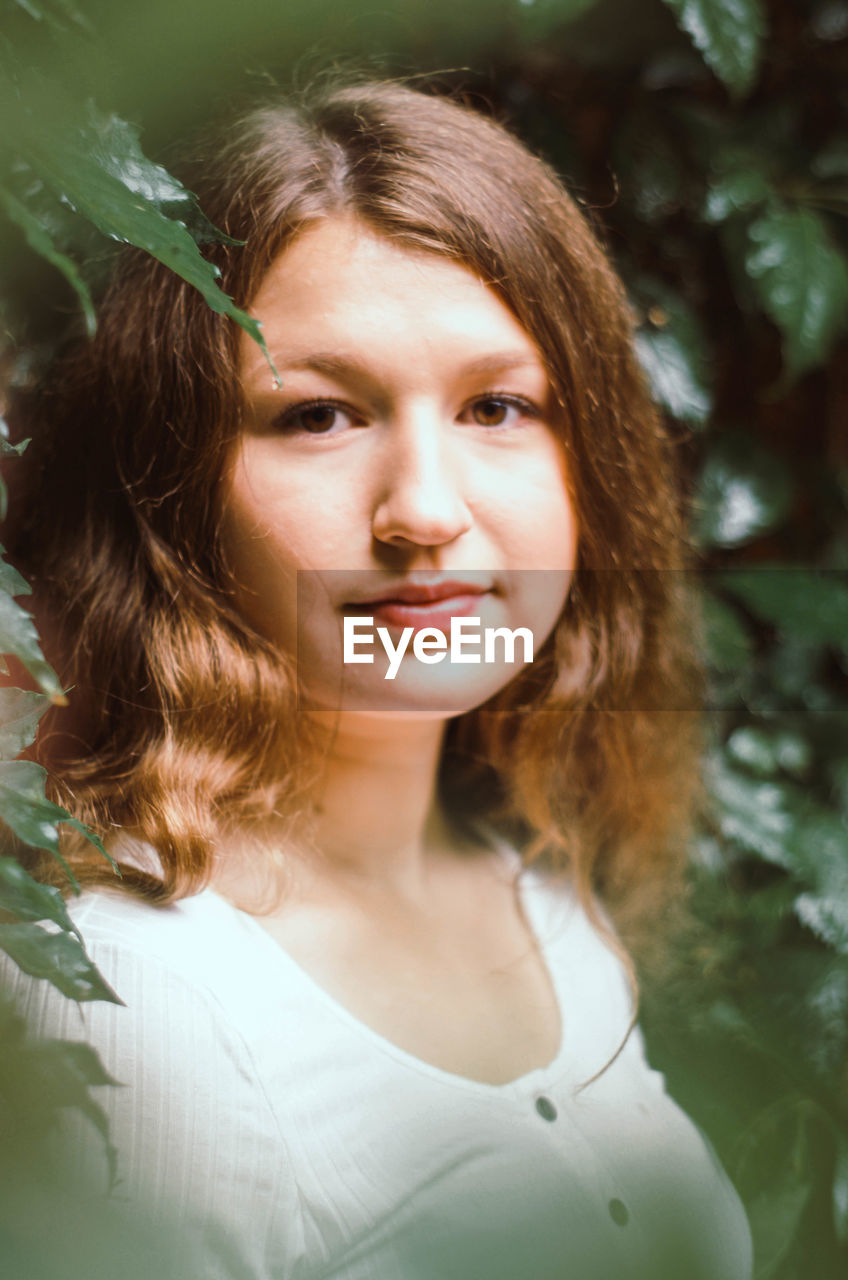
539	524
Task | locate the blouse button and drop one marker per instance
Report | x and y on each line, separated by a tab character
619	1212
546	1108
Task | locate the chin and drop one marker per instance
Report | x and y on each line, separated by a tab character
433	693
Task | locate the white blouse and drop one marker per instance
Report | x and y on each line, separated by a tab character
289	1141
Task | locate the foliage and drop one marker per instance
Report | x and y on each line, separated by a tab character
63	160
37	1080
708	136
729	227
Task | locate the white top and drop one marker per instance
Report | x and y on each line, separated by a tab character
291	1142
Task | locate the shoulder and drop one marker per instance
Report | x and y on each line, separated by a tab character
193	939
165	963
178	1042
196	1140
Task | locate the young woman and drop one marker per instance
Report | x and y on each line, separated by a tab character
363	1036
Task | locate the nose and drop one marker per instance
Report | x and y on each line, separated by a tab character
420	496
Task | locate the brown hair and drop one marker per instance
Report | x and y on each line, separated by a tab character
177	703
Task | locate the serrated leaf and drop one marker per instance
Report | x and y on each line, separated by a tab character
59	958
801	281
11	581
20	712
79	1068
7	450
744	491
18	635
753	814
826	917
40	1076
115	144
24	806
29	900
41	242
820	851
729	35
811	606
71	162
33	818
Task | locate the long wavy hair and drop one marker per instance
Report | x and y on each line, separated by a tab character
183	720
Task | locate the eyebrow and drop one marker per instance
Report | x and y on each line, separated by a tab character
338	364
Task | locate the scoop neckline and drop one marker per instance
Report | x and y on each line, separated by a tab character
527	884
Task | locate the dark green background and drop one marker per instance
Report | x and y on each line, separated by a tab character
707	138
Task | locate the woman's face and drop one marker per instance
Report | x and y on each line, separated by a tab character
408	470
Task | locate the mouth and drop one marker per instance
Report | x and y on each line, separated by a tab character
419	605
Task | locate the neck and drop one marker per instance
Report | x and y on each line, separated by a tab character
377	820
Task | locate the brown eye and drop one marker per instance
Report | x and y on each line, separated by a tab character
317	418
490	412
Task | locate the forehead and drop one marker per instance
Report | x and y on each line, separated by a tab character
341	287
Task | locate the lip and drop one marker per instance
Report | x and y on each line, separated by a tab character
419	605
421	593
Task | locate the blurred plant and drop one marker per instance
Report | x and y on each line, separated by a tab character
37	1079
710	135
728	224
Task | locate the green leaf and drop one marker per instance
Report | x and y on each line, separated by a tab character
109	189
767	752
39	239
729	643
10	580
775	1216
33	818
808	605
60	958
55	12
826	916
25	808
673	354
115	145
7	450
801	281
79	1067
840	1187
29	900
755	815
38	1077
821	859
18	636
729	34
744	491
737	181
20	712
